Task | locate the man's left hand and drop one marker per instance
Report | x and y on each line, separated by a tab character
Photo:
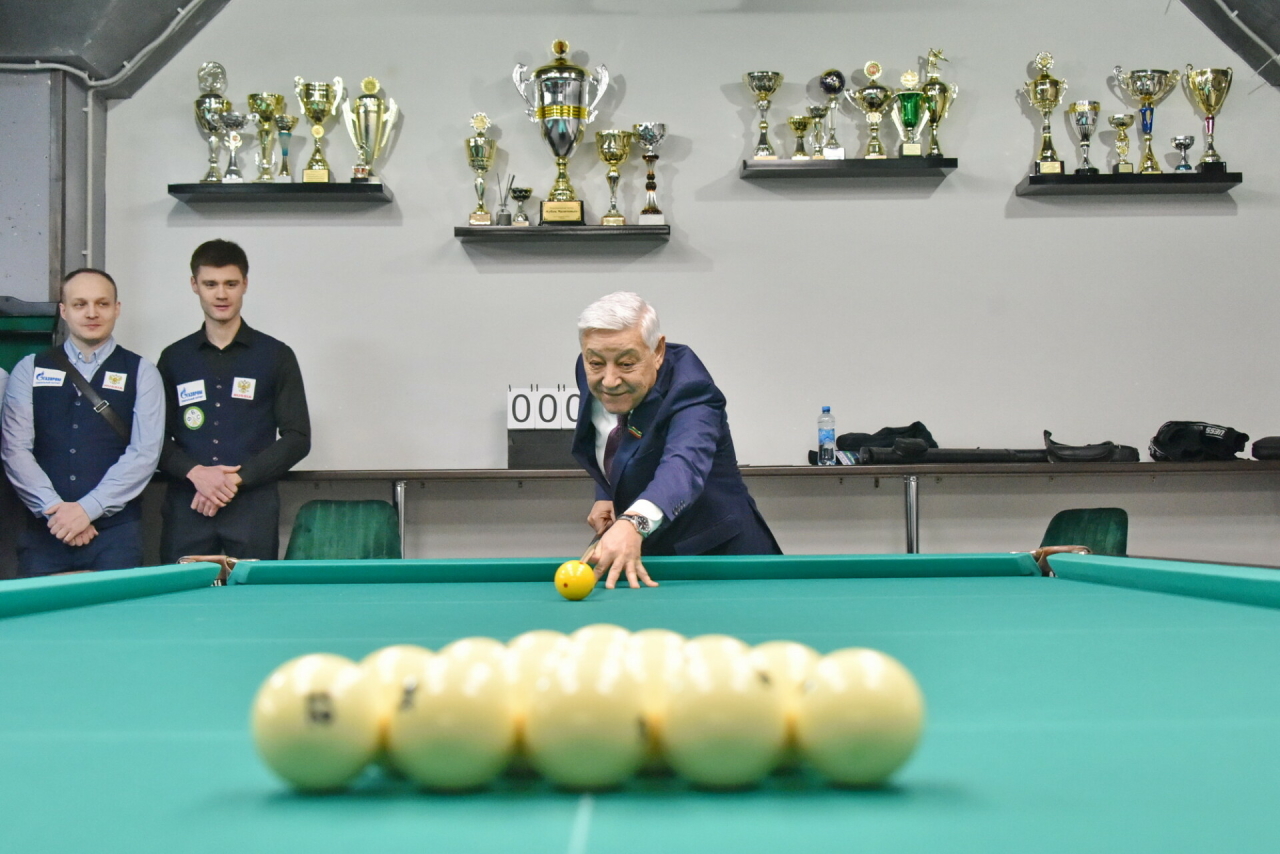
618	552
67	520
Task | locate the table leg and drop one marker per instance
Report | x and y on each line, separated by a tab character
911	494
398	499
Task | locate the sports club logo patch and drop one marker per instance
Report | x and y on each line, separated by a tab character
193	417
243	388
48	378
192	392
114	381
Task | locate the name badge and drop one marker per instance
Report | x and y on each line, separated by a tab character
115	382
192	392
242	388
47	378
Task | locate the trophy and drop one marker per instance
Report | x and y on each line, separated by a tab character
319	101
504	215
1083	116
909	114
521	195
369	126
233	123
763	84
938	97
264	108
650	135
871	100
1044	94
480	151
210	107
613	146
1121	122
800	127
1148	87
817	119
832	84
1207	88
1183	144
284	130
558	97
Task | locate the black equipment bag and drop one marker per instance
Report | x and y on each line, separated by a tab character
885	437
1267	448
906	451
1103	452
1196	441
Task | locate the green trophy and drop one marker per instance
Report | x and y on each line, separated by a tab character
909	115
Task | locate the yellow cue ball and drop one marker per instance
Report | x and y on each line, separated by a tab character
315	721
575	580
859	717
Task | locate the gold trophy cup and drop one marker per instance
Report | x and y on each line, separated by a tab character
614	146
1121	122
1207	88
521	195
872	100
763	84
818	117
800	127
480	152
910	112
369	125
1044	94
319	101
284	130
264	107
1148	87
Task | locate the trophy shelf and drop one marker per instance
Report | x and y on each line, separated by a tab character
548	233
890	167
1132	183
249	192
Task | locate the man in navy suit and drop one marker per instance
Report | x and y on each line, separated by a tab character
655	437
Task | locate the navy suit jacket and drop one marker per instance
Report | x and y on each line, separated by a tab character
677	453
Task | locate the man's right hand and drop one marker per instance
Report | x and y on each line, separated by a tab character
216	484
601	516
204	506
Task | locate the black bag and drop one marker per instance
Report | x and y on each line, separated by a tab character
90	394
1103	452
885	437
1196	441
1267	448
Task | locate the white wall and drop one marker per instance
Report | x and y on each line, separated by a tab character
987	316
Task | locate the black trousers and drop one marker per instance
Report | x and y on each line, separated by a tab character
41	553
248	527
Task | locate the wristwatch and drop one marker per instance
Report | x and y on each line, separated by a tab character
643	525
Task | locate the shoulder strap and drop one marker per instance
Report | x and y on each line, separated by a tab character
99	405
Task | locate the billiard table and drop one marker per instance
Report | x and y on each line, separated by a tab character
1124	705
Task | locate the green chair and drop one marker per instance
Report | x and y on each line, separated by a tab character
1104	530
345	530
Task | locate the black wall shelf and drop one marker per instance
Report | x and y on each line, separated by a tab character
891	167
249	192
1110	184
546	233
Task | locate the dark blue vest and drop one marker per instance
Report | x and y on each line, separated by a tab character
75	445
227	427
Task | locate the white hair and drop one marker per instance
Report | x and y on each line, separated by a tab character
622	310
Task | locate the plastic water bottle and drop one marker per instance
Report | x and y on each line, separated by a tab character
826	438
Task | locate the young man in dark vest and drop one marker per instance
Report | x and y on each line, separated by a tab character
80	464
237	421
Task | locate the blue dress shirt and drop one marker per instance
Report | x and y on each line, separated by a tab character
125	480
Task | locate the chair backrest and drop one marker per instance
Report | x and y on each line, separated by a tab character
344	530
1105	530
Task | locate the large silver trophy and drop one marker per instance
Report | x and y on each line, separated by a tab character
210	107
559	99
